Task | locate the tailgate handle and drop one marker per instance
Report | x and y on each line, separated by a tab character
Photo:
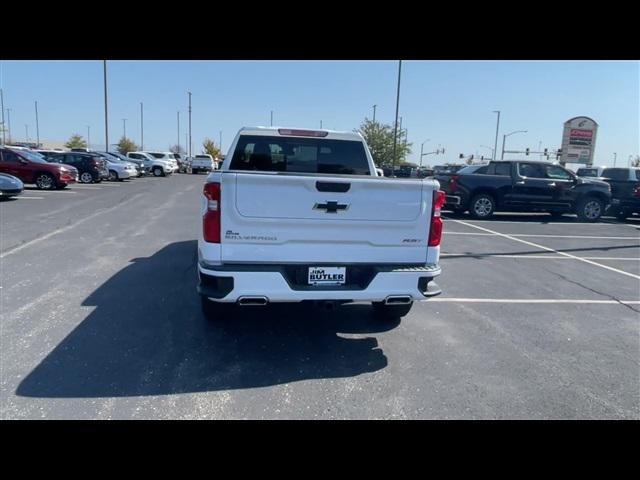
332	187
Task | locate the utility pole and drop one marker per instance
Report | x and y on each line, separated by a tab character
37	128
106	117
4	139
9	123
320	124
189	123
374	113
395	125
495	145
422	148
141	128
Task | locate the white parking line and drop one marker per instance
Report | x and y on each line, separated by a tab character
536	256
539	236
530	300
511	237
31	198
11	251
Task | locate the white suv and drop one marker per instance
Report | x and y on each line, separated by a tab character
158	168
168	157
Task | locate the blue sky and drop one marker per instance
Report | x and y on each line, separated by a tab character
448	102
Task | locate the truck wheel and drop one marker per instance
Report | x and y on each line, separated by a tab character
482	206
391	311
589	209
215	311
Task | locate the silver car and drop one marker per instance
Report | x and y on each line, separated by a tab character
10	186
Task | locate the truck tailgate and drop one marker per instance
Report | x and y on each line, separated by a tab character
276	218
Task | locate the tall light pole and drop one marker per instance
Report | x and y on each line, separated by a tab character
9	123
422	148
495	145
141	128
26	127
395	124
189	123
88	137
124	127
491	149
615	157
272	118
504	137
178	130
37	128
106	117
220	142
374	113
320	124
4	140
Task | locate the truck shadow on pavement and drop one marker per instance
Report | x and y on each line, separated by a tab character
147	336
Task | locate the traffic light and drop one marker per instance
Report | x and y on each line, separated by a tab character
461	155
482	157
443	150
546	152
527	152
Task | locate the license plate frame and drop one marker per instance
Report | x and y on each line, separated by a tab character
319	276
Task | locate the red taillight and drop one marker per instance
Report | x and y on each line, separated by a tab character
211	218
435	231
453	183
302	133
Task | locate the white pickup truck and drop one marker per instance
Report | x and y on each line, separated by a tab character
301	215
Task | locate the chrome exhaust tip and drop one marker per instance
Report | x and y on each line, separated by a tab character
398	300
258	301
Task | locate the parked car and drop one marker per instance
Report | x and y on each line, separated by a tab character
10	186
158	168
203	163
593	172
625	191
526	186
118	170
138	164
168	157
31	167
307	234
182	162
444	176
91	167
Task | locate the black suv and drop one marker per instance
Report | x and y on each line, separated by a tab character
625	191
91	167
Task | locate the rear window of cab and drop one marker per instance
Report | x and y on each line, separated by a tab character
300	155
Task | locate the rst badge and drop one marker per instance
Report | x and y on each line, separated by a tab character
327	275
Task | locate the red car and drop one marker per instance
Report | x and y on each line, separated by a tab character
31	167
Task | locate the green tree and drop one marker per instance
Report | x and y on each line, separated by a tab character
379	138
126	145
76	141
636	161
210	148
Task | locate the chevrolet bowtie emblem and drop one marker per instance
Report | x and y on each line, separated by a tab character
331	207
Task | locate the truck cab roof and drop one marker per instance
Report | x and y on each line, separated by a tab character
301	132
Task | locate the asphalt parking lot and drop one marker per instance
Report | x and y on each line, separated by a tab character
539	319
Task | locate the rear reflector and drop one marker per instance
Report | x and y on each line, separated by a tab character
435	231
302	133
211	217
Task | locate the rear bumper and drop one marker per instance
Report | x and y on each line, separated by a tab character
453	200
224	284
10	192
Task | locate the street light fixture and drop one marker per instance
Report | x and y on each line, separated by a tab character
504	137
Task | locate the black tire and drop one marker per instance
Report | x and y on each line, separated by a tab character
388	312
215	311
85	177
45	181
158	172
482	206
113	176
589	209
